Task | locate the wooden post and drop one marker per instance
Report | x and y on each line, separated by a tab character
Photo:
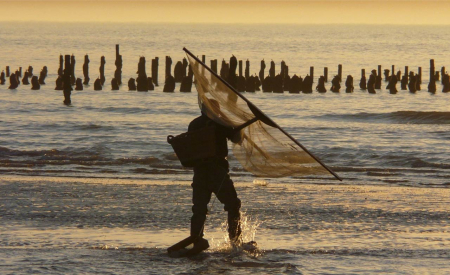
155	64
420	75
247	69
214	65
432	70
325	73
432	84
67	88
311	73
7	71
393	70
442	75
340	72
406	71
240	68
204	59
20	71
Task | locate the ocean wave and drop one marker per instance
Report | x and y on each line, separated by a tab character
398	117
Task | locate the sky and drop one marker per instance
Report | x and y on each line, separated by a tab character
247	12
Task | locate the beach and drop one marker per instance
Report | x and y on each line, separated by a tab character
94	187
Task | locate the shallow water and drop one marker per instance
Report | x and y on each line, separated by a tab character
95	187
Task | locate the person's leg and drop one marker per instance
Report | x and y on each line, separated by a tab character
200	198
226	193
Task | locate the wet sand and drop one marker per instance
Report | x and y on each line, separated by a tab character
116	226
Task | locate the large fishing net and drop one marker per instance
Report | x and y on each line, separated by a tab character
264	149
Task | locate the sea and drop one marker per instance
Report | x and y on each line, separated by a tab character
94	187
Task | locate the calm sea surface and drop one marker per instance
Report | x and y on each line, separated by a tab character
94	187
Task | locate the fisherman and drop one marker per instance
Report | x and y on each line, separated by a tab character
212	177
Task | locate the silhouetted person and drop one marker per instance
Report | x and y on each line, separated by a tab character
35	83
412	82
98	84
151	87
25	80
335	84
86	70
142	82
213	177
321	85
43	75
72	70
169	85
102	70
155	64
59	83
79	85
186	84
2	78
349	84
13	83
131	84
114	85
392	86
307	84
371	83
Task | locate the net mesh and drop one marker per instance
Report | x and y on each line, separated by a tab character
263	150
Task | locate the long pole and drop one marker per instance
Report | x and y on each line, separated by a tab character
251	105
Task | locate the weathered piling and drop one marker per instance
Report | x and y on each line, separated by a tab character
35	83
371	82
335	84
412	82
214	65
98	84
224	69
131	84
247	69
61	66
151	87
114	84
272	69
118	63
25	79
232	78
392	84
30	71
321	84
442	73
142	83
169	84
386	75
43	75
378	78
78	85
72	70
86	70
261	71
20	71
178	72
325	74
8	74
67	90
420	75
186	84
340	72
349	84
432	84
2	78
445	83
311	74
404	82
362	82
155	64
240	79
13	82
307	85
102	70
204	59
393	70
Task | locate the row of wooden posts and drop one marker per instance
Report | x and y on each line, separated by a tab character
277	83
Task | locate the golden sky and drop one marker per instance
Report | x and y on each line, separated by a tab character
207	11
